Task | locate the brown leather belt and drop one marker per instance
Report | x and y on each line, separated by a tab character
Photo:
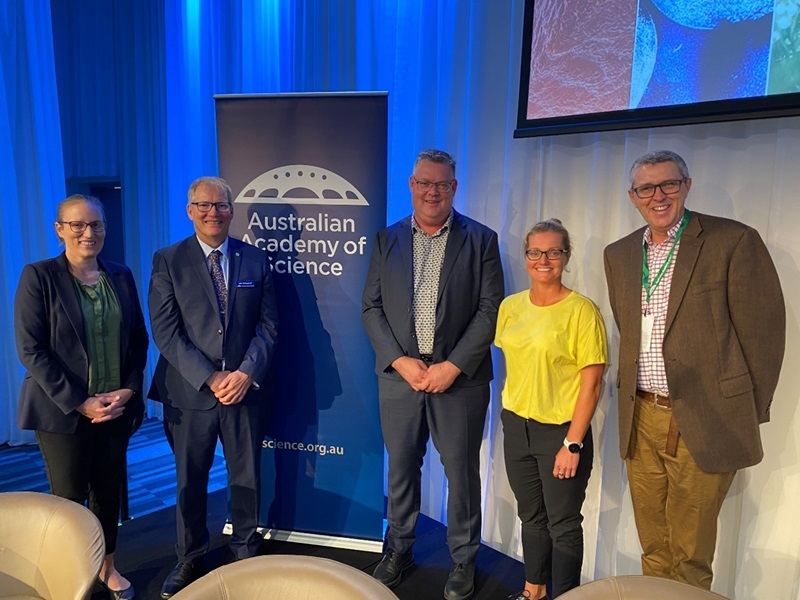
673	433
655	399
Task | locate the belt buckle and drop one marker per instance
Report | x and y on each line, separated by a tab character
656	396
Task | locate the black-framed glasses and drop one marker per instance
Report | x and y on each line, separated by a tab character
80	226
204	207
551	254
441	186
648	190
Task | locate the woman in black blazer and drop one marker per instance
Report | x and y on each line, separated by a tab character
81	337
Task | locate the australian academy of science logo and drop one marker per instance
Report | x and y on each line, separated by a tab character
301	184
293	217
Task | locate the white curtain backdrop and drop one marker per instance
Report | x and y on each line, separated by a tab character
746	171
452	71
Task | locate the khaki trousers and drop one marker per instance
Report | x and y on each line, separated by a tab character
675	503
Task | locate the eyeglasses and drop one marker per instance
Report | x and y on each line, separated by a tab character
441	186
80	226
204	207
551	254
649	190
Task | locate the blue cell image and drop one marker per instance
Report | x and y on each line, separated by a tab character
644	56
708	14
714	55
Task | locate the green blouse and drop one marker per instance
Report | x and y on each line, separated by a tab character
102	318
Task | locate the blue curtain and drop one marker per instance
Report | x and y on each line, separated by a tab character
134	101
31	172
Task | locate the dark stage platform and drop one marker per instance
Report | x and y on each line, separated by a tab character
145	555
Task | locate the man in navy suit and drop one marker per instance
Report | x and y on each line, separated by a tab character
214	320
429	308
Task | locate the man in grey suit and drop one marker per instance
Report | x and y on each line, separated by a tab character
214	319
430	308
702	330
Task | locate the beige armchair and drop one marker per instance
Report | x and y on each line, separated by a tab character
50	548
286	577
638	587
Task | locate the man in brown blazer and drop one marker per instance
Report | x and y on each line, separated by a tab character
702	328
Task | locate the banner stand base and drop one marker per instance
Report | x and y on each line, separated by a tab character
315	539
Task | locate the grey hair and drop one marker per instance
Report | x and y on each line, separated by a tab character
550	226
659	156
215	182
437	156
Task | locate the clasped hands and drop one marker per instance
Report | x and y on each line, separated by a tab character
229	386
433	379
105	406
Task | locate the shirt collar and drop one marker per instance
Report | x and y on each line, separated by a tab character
446	227
223	247
671	233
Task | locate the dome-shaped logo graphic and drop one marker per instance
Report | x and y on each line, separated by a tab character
301	184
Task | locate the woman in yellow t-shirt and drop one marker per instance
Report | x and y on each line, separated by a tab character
554	342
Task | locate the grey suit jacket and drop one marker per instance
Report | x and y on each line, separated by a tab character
51	343
187	329
470	292
724	340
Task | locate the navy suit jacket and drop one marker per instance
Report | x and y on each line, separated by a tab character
187	328
51	343
470	291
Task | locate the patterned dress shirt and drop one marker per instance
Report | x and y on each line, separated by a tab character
652	375
428	260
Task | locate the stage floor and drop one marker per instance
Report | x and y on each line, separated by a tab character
145	551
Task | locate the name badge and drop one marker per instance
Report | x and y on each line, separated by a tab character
647	332
245	284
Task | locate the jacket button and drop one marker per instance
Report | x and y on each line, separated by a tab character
219	331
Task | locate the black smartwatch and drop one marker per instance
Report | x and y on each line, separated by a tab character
573	447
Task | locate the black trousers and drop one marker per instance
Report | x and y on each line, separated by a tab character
88	467
193	435
549	508
455	421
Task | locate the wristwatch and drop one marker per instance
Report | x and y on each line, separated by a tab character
573	447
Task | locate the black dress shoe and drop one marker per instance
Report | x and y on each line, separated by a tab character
390	570
460	583
525	595
181	575
126	594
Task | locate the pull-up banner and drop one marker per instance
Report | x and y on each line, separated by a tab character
308	173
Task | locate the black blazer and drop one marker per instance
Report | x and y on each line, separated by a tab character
186	325
470	291
51	344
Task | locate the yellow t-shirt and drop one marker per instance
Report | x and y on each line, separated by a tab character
545	348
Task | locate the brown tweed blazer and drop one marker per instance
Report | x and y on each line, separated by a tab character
724	341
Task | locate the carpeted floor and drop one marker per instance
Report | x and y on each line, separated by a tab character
151	470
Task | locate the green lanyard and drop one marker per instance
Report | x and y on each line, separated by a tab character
649	288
